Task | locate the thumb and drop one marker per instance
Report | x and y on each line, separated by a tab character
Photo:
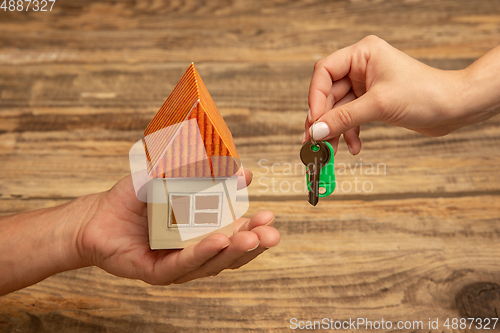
123	193
341	119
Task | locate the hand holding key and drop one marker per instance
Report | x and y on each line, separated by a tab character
371	80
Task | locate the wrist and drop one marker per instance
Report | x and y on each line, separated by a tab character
469	103
480	86
84	210
458	100
457	105
35	245
62	237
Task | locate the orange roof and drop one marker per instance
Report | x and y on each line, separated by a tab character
187	122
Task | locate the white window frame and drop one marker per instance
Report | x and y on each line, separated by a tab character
170	209
193	210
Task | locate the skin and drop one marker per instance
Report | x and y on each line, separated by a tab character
372	81
109	230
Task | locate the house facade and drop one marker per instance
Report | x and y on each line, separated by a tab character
187	210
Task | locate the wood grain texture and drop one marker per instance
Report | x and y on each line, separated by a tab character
79	85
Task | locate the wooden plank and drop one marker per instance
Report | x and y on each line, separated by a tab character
239	31
137	88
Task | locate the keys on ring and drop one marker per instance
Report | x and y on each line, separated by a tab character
319	161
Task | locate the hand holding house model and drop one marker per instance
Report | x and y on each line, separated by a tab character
188	165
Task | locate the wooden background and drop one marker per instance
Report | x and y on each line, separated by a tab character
78	85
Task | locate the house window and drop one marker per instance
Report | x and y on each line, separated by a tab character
182	204
197	209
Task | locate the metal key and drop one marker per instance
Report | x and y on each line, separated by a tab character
314	156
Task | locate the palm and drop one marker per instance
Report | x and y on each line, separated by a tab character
117	240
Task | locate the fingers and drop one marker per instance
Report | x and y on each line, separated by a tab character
343	118
253	237
123	193
352	140
334	78
261	224
335	144
241	243
245	259
174	265
259	219
306	136
339	90
268	237
245	179
351	137
326	71
337	93
348	97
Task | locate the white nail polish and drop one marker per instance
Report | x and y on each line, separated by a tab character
320	131
350	150
304	137
309	116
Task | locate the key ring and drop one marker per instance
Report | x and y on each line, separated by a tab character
311	132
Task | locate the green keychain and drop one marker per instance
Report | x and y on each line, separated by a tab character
319	155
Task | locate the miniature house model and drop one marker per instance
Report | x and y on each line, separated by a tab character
193	166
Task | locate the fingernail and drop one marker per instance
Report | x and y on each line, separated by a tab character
268	223
304	138
350	150
256	246
309	116
320	131
229	243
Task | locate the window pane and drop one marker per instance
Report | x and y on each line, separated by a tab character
180	205
206	218
207	202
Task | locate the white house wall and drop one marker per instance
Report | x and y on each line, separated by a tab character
178	237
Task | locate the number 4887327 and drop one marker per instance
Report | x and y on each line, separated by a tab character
26	5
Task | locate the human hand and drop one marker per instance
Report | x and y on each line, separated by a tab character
371	80
116	239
